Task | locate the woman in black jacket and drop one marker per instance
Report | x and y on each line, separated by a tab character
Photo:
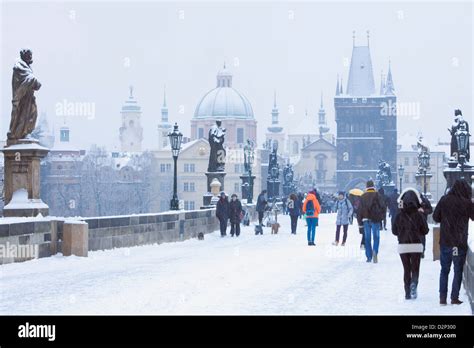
222	212
410	227
235	211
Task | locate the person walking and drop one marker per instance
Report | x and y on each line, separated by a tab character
372	208
222	212
235	215
410	227
311	208
383	224
294	209
344	211
261	206
393	206
453	212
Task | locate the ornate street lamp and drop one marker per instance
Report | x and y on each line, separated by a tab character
249	155
424	159
462	138
175	140
401	171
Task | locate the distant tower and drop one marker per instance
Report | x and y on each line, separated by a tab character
366	122
164	127
46	136
275	131
131	131
321	113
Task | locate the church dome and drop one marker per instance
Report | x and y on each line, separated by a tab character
224	101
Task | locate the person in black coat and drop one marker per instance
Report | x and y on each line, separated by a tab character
453	212
383	224
222	212
294	209
410	227
235	211
261	205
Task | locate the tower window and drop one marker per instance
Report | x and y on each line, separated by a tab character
64	135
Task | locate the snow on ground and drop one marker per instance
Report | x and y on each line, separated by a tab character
269	274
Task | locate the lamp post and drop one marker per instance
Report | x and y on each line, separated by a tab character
462	138
175	140
250	159
401	171
424	164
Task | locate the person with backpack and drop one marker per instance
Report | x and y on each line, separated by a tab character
222	212
410	227
261	206
344	213
294	211
371	213
453	212
311	208
235	215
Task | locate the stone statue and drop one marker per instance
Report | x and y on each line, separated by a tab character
248	151
384	174
288	175
24	110
216	142
273	162
459	125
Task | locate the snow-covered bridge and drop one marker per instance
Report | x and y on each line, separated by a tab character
269	274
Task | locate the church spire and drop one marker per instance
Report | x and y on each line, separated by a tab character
341	91
382	84
322	112
337	85
164	108
275	111
389	87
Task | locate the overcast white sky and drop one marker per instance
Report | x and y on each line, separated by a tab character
82	50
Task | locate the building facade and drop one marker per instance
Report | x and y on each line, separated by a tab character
131	131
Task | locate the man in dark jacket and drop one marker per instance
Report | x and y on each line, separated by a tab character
393	205
410	227
222	212
371	211
385	199
261	205
235	209
453	212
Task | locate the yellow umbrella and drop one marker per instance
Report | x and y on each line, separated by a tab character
356	192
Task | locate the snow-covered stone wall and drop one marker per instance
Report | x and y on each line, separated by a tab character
131	230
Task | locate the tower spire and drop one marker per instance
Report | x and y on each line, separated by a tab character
164	96
321	107
341	90
321	113
337	85
353	38
382	83
389	87
274	99
275	111
131	91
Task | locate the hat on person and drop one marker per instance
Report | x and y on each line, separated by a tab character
370	184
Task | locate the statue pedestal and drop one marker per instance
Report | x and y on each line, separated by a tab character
273	189
420	183
215	175
452	174
246	187
388	188
22	178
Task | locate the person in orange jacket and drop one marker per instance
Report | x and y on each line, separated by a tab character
311	208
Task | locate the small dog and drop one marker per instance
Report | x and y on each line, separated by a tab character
200	236
275	228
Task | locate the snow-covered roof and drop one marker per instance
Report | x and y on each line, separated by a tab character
407	142
361	76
